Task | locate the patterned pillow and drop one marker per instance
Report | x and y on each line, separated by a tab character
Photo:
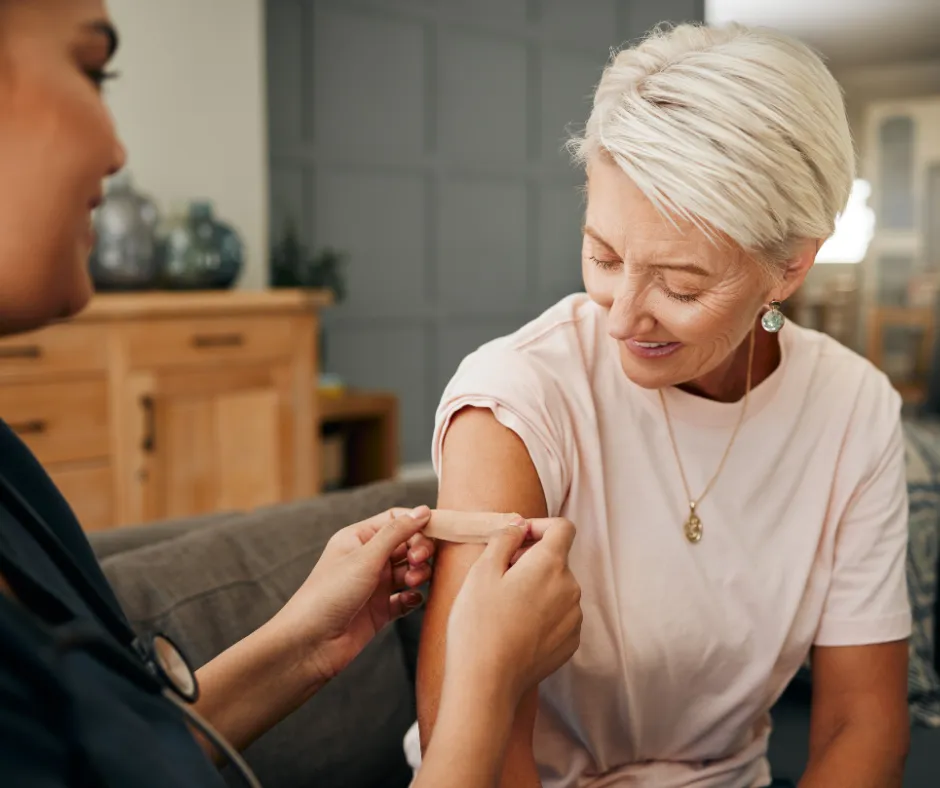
922	452
922	440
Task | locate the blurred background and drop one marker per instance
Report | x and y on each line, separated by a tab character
407	155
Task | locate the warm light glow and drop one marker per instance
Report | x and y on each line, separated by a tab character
854	229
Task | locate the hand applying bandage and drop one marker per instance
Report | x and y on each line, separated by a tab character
518	613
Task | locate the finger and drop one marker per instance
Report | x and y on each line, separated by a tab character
420	549
503	545
368	528
406	576
400	554
395	533
419	576
402	604
557	531
519	553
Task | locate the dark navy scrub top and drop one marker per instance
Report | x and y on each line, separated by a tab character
69	715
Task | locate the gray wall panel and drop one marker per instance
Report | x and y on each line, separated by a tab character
424	138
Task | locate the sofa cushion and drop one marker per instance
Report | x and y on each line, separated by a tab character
209	588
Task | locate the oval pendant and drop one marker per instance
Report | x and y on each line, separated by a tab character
693	528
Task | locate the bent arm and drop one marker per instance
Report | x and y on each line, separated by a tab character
484	467
251	686
859	726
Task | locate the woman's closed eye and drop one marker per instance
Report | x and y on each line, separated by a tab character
686	294
678	294
685	298
608	264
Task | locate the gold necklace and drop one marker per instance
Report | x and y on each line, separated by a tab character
693	525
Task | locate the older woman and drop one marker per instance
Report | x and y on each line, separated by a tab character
84	700
738	481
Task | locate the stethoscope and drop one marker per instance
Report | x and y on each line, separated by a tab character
153	661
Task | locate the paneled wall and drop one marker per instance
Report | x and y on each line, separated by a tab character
425	139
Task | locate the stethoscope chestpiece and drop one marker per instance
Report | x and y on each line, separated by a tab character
167	663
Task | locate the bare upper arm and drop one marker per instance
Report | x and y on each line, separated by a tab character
866	684
484	467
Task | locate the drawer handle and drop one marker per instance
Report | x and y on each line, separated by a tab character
31	427
21	351
218	340
149	441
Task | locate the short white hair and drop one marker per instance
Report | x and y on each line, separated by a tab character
740	130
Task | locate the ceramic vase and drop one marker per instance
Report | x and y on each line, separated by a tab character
124	256
198	251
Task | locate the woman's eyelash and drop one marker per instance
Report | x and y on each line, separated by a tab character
607	265
99	76
685	299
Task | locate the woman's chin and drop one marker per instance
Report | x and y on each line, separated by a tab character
648	373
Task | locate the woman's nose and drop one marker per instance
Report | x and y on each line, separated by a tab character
628	316
118	158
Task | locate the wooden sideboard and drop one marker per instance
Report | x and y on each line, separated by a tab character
157	405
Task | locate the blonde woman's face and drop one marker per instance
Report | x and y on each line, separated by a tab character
57	144
677	303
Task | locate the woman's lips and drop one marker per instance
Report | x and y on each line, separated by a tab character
652	349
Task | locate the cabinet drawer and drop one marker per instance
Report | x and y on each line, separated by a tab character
60	422
56	349
87	488
205	341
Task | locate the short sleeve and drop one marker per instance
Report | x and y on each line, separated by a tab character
867	601
525	397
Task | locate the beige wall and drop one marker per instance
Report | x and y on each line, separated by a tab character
190	107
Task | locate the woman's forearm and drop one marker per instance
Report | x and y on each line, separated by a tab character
470	737
253	685
860	754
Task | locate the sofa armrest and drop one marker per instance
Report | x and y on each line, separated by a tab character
131	537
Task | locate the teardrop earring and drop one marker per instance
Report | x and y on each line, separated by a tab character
772	321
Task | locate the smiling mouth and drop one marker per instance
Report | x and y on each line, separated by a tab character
652	349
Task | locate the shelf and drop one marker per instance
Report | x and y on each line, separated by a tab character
358	433
355	405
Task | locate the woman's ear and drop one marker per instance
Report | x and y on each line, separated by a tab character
796	270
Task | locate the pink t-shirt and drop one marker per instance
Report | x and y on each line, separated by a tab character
684	647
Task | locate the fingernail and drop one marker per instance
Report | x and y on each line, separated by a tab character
519	522
419	556
413	598
419	513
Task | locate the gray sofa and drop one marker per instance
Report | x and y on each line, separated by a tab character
209	582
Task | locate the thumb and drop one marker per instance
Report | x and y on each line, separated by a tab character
396	532
504	544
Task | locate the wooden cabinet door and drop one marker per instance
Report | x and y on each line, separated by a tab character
208	440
